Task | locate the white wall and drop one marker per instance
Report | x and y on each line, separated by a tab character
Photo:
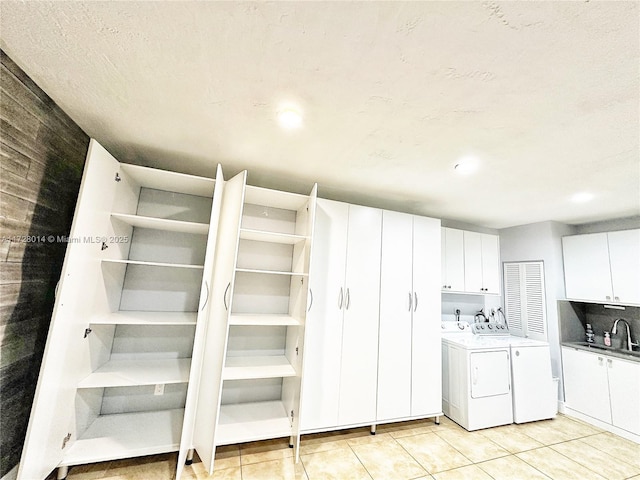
535	242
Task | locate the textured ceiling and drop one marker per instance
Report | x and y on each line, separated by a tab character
545	94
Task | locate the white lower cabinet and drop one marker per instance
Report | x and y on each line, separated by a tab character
409	379
602	387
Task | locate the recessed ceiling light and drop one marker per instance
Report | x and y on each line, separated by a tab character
466	165
582	197
290	118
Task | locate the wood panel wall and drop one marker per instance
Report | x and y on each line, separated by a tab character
42	154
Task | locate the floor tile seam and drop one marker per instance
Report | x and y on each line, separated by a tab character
397	443
360	461
637	471
536	468
465	456
610	454
414	458
522	460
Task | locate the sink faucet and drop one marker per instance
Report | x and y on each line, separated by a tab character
614	330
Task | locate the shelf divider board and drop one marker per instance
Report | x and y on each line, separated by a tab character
271	237
125	373
244	422
170	181
153	264
162	224
271	272
124	317
127	435
251	367
264	320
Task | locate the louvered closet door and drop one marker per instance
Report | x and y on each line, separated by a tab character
525	305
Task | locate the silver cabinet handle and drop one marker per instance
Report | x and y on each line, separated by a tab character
410	301
348	300
206	299
415	301
224	297
311	300
340	299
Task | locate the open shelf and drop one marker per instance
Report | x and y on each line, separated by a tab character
247	367
153	264
125	373
162	224
263	320
127	435
274	198
245	422
170	181
270	272
146	318
271	237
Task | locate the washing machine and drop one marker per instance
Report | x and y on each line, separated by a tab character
476	378
533	391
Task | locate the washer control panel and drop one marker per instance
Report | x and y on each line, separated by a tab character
490	328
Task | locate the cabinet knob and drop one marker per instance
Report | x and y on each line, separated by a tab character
608	297
617	298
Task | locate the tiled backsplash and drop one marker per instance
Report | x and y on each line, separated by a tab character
575	315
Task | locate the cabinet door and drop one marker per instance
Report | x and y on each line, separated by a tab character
624	255
63	364
473	262
206	301
586	267
426	366
206	417
396	308
585	383
323	329
453	260
490	263
624	390
358	377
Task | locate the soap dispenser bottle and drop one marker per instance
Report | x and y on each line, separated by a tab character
589	333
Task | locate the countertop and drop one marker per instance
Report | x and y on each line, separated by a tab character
604	350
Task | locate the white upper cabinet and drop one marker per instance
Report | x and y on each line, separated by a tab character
624	256
470	262
603	267
452	260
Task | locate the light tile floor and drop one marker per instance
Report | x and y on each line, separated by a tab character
560	449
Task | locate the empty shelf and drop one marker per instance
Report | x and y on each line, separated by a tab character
271	272
274	198
153	264
170	181
263	320
127	435
146	318
124	373
241	368
271	237
162	224
246	422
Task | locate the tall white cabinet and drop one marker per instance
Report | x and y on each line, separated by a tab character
124	348
409	363
341	351
256	334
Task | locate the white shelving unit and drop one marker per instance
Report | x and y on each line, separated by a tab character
125	340
262	276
